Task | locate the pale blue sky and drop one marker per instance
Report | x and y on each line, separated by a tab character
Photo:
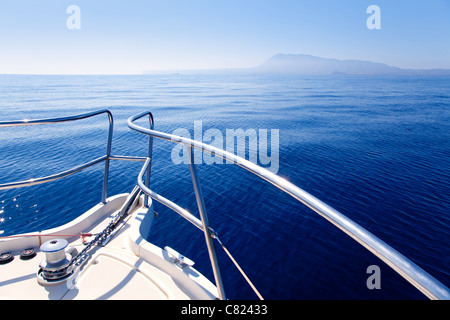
135	35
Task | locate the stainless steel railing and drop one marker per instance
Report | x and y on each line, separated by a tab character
419	278
204	223
106	158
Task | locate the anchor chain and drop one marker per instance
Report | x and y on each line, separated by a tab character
81	257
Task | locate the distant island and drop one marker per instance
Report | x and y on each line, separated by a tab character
303	64
311	65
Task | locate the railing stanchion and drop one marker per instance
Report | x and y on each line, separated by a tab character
108	154
205	222
149	156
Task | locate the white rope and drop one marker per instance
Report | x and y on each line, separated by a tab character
240	269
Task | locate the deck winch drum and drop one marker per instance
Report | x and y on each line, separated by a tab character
57	258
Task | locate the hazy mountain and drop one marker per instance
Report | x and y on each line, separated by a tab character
311	65
303	64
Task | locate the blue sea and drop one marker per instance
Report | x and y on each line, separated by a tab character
377	149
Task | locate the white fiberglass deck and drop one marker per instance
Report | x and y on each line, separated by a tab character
127	267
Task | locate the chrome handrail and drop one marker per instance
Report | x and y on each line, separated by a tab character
419	278
106	158
30	122
181	211
53	177
30	182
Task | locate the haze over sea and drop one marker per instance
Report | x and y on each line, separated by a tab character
375	148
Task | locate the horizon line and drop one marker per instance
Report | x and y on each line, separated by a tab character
219	69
